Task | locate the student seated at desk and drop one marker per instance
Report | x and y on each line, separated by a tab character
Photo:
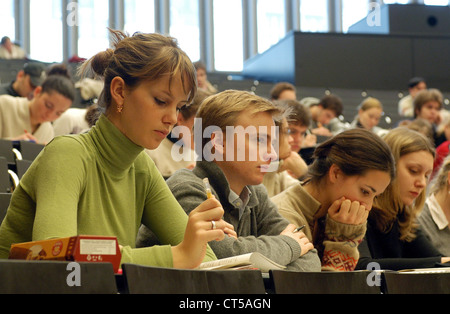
393	239
325	116
181	144
23	119
235	157
289	166
102	182
435	217
348	172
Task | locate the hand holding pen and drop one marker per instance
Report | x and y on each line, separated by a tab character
295	233
228	229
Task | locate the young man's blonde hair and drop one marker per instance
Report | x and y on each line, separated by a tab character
222	109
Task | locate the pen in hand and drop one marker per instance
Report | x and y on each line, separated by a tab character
230	233
298	229
207	188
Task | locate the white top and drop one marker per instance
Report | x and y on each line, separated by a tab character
169	157
16	53
72	121
436	212
15	120
406	107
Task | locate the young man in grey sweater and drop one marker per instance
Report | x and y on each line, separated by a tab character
235	160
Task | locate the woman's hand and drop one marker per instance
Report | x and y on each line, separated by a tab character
205	224
300	237
322	131
348	212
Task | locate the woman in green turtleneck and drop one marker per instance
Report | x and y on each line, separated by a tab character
102	182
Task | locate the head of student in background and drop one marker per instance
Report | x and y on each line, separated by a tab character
238	135
187	115
298	119
404	197
283	91
328	108
147	80
441	182
415	85
284	138
370	112
202	75
428	104
355	164
52	99
29	78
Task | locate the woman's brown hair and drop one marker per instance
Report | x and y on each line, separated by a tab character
141	57
355	152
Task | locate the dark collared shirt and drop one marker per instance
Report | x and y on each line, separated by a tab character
7	89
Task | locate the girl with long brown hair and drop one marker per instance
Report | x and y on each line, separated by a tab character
393	239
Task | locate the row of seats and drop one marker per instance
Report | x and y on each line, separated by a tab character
57	277
15	158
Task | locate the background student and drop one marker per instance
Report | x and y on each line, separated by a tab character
183	147
27	80
236	178
289	166
23	119
325	116
406	104
348	172
393	239
102	182
428	105
369	114
435	216
283	91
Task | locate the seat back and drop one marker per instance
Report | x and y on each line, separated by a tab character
6	150
5	181
56	277
30	150
427	282
5	199
287	282
22	167
154	280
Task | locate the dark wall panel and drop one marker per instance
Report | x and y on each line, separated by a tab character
352	61
432	61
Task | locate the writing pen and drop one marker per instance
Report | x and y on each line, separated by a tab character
207	188
298	229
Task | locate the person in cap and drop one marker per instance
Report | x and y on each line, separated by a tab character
31	76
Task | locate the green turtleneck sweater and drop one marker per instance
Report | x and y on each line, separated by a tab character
98	183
